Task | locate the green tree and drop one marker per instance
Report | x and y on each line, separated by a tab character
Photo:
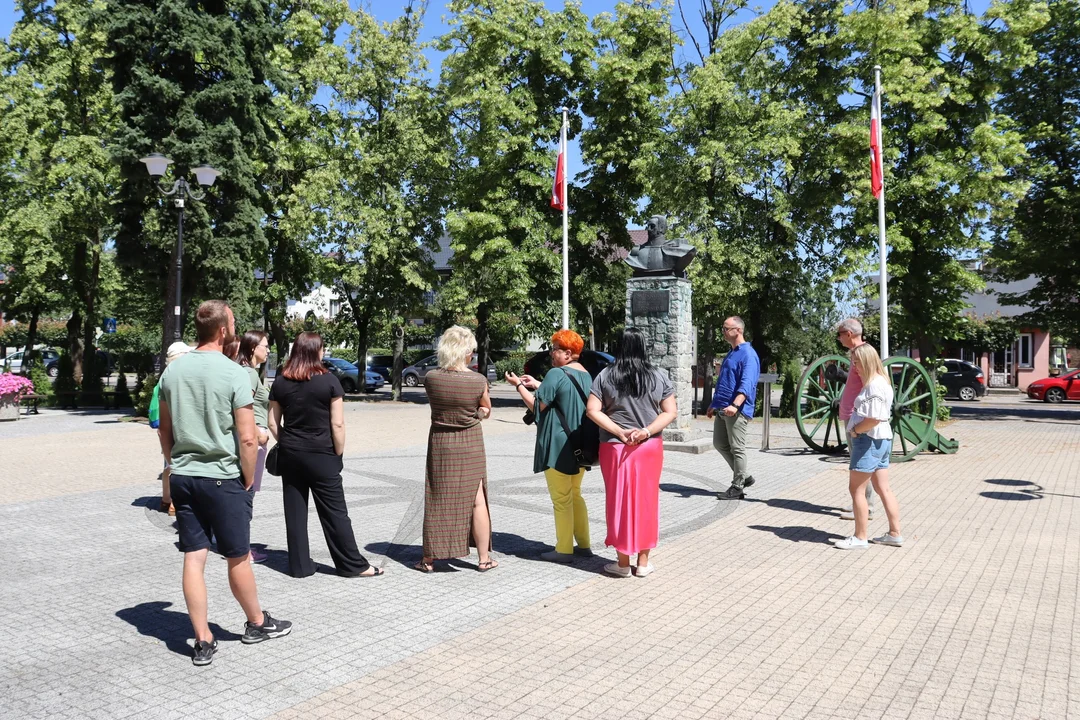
511	65
390	165
1043	240
58	177
949	151
194	81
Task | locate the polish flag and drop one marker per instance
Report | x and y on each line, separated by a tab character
558	188
875	145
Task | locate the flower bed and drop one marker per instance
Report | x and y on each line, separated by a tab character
12	389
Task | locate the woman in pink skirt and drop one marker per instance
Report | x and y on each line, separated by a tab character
631	403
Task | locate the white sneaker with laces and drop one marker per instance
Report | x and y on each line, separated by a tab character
851	543
616	570
643	570
887	539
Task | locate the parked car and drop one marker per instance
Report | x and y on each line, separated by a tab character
1056	389
414	374
593	360
962	380
49	356
382	364
349	375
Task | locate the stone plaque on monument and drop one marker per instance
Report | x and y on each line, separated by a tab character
646	302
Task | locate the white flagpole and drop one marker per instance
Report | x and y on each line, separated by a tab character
565	228
883	272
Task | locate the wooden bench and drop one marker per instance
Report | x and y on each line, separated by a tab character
31	400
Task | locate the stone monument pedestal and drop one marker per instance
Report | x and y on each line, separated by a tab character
660	306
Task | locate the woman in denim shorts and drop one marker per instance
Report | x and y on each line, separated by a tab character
870	435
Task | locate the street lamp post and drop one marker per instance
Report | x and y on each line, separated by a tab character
157	164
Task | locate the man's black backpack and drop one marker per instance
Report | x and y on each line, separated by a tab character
586	439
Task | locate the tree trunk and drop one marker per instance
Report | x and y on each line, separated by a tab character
592	329
281	342
483	338
399	362
705	363
74	344
90	287
31	339
363	326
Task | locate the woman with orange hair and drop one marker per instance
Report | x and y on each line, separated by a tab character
564	390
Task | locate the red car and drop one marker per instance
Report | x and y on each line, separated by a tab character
1056	389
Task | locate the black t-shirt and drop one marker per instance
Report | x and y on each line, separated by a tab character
305	412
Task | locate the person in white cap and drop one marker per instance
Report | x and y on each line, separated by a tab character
176	350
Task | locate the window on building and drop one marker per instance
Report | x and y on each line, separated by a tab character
1025	350
335	308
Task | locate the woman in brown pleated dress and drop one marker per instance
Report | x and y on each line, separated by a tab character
455	485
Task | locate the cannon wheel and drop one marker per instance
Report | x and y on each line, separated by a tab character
914	407
817	409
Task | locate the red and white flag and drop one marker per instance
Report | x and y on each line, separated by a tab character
875	145
558	188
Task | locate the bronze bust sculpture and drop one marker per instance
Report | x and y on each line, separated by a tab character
659	256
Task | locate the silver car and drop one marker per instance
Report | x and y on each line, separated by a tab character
414	374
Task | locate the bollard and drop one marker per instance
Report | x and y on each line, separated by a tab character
766	379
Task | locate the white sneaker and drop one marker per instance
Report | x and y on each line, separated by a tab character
643	570
887	539
851	543
614	569
849	514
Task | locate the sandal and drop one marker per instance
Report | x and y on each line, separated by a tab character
486	565
375	572
424	567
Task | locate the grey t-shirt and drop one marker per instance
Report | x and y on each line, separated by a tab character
631	412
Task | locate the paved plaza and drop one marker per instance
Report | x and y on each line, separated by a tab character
751	613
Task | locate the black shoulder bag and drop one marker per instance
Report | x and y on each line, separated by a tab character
586	439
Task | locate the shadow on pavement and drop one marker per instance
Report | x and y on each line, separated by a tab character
526	549
407	555
686	491
170	627
1033	411
800	533
278	561
798	506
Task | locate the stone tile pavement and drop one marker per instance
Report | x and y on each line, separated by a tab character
750	613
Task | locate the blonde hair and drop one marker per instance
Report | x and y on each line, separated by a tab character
866	362
456	347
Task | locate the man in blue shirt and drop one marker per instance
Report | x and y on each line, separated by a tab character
733	405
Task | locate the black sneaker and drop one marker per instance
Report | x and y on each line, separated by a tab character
748	481
732	493
269	629
583	552
204	653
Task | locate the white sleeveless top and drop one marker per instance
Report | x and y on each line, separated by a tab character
875	400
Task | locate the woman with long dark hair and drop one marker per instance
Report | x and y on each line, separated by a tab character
254	348
307	417
631	403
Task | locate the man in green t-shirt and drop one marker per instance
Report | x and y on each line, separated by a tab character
207	430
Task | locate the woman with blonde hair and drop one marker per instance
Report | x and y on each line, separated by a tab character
870	435
456	514
564	390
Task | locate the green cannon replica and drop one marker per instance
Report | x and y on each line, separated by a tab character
914	413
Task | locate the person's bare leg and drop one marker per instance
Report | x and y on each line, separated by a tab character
481	526
624	560
880	479
643	558
166	491
242	582
857	487
195	594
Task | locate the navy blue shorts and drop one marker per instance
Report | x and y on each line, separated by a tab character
208	507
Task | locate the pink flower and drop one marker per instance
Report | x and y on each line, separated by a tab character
12	387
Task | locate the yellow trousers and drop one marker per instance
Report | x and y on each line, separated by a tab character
571	516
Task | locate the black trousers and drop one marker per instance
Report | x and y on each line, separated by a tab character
320	475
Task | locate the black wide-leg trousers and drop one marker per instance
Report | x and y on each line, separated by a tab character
317	475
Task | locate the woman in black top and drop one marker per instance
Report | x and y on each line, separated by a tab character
307	417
